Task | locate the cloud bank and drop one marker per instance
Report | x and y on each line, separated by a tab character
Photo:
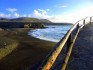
11	10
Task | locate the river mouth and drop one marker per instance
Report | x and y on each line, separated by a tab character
52	33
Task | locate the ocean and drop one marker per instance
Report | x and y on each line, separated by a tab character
52	33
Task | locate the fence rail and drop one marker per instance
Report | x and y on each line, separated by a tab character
52	56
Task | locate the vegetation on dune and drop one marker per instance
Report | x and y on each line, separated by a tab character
34	25
6	50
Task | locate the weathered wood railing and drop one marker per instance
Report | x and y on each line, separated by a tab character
50	59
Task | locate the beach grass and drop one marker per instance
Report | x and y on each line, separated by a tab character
7	50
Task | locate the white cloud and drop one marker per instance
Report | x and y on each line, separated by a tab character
16	15
47	9
11	10
40	13
43	15
5	15
2	15
71	17
41	10
13	13
37	13
44	12
54	18
61	6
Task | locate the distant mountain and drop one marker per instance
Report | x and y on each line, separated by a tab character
25	19
4	19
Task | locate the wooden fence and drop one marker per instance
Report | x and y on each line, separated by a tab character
52	56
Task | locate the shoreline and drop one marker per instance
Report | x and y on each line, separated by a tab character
45	39
41	38
29	52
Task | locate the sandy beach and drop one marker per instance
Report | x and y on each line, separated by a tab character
27	52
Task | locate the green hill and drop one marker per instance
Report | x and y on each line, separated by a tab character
25	19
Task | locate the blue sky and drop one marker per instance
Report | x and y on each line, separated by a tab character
54	10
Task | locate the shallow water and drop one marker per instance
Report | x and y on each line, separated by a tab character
52	33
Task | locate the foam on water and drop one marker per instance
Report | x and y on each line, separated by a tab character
52	33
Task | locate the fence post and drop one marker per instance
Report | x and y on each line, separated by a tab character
84	22
69	41
77	27
90	19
